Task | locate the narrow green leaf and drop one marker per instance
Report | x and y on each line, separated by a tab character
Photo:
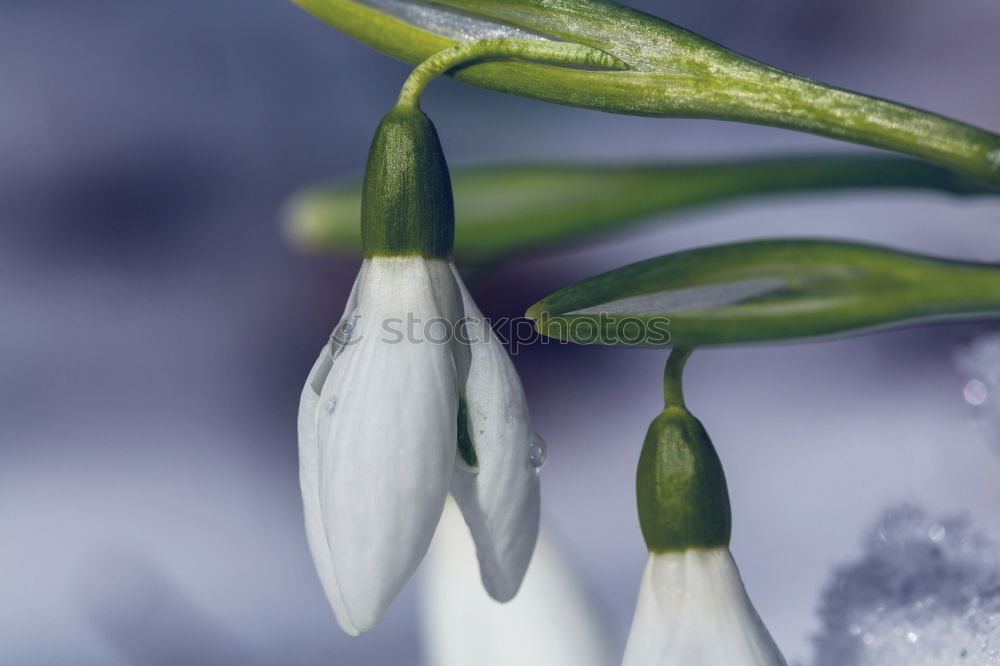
672	72
502	210
765	291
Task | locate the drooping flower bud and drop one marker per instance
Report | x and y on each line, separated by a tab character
394	416
412	398
692	607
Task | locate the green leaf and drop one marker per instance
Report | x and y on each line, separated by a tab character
765	291
672	72
502	210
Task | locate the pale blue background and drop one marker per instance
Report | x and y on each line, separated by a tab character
156	328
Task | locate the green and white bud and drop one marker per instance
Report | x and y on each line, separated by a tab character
692	607
391	420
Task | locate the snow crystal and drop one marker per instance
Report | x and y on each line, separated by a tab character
926	593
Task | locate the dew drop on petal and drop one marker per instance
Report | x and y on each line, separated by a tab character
341	337
537	451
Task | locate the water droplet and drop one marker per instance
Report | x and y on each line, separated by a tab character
331	405
912	637
936	532
342	335
975	392
537	451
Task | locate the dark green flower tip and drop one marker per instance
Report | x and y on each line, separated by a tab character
406	201
680	486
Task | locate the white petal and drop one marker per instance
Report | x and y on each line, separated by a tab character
500	502
309	476
693	610
552	622
387	446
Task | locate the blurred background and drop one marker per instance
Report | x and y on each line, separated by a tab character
156	326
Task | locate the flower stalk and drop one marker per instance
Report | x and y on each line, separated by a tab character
562	53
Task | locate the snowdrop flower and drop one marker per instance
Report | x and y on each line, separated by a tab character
411	398
552	622
693	609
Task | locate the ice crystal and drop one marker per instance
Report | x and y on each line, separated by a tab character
925	593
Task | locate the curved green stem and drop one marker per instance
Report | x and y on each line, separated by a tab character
673	385
559	53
